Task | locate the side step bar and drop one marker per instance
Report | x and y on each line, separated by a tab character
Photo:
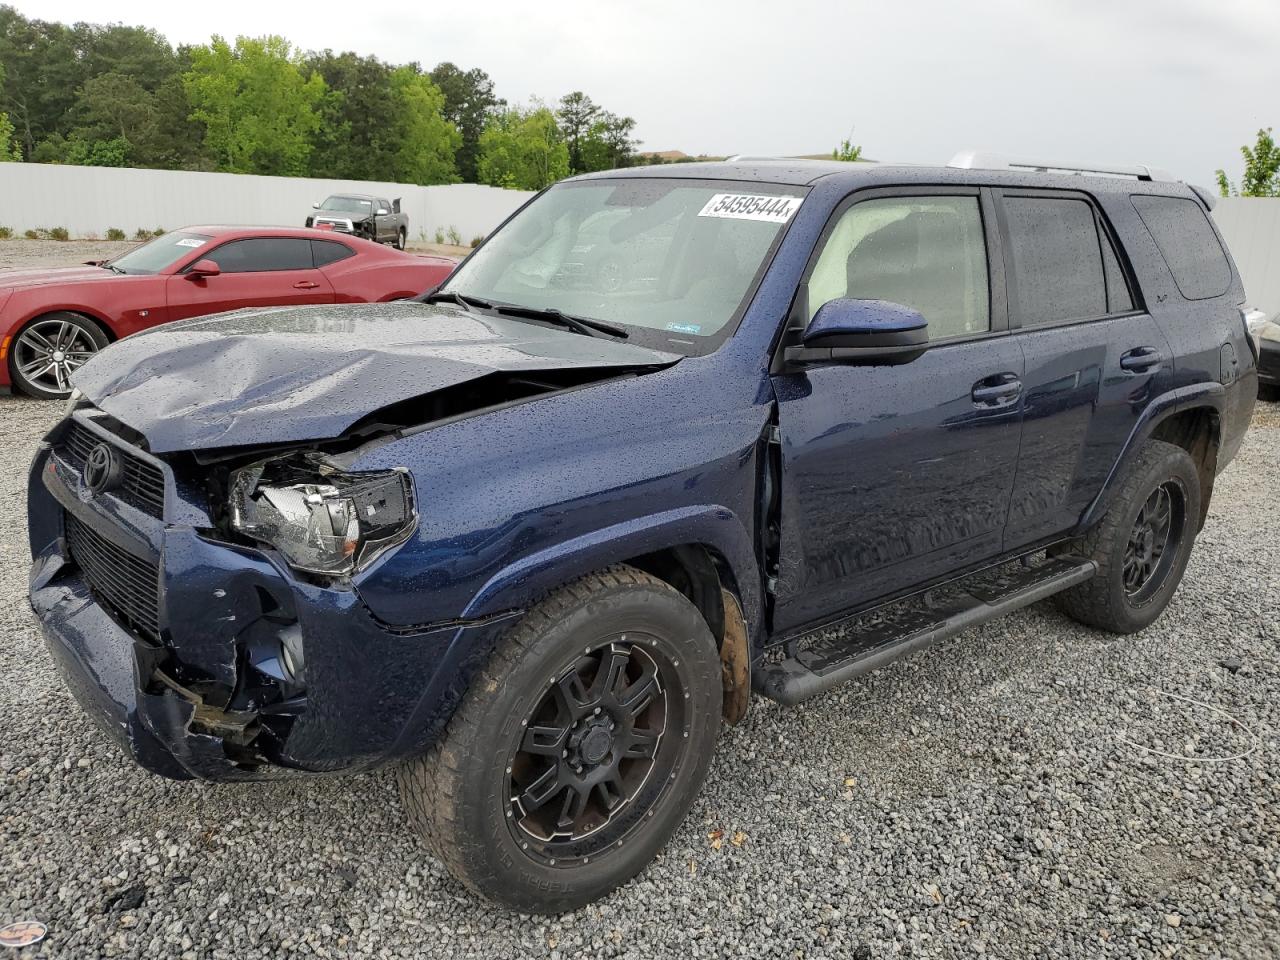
869	641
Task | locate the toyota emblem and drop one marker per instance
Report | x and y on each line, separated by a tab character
102	469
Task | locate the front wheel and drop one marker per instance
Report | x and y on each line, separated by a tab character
402	239
1142	544
578	750
48	350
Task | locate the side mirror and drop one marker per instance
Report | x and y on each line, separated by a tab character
202	269
870	332
383	211
315	206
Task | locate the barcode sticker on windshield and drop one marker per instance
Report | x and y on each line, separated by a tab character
746	206
189	242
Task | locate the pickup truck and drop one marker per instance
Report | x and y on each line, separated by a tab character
535	536
374	218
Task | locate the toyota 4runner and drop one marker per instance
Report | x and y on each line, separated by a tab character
535	536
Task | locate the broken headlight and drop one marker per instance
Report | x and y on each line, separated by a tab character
321	519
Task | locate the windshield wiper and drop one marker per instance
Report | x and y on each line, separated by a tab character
592	328
462	300
112	267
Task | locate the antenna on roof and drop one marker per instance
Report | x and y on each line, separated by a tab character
979	160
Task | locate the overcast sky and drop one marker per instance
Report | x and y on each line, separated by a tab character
1176	83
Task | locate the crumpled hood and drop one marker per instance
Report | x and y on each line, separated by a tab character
344	215
45	275
308	373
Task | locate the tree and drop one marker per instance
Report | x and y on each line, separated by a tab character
468	101
259	109
9	149
609	143
1261	169
425	141
847	151
576	116
43	70
522	149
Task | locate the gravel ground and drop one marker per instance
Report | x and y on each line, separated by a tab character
21	254
1031	788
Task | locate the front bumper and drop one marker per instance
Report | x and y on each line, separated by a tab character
208	698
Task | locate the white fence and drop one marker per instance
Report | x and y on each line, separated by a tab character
92	200
1251	226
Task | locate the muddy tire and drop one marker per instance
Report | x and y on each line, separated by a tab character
1141	546
578	750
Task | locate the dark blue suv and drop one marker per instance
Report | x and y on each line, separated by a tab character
536	535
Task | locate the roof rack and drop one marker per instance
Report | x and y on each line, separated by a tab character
978	160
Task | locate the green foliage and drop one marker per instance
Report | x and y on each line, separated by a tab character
260	111
468	101
425	141
142	234
115	233
847	151
475	241
455	238
1261	169
522	149
59	233
439	236
31	234
6	233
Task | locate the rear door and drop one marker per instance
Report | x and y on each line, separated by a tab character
1094	357
893	476
256	272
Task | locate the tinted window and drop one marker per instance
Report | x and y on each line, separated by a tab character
329	251
1119	300
1189	245
927	253
1057	261
262	254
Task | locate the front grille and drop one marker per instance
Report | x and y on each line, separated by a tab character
129	586
141	482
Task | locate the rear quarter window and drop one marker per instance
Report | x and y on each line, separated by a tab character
326	252
1188	244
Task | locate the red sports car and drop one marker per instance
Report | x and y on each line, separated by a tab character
53	320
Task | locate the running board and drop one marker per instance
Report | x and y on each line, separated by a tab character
871	640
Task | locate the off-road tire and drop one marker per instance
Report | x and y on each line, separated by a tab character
1103	601
457	796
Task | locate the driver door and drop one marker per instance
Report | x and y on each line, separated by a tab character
256	272
894	476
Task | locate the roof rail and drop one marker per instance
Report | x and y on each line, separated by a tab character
978	160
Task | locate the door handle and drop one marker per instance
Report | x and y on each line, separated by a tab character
305	285
1140	359
998	390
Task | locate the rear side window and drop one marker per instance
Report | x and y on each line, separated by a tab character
329	251
1188	244
1057	259
263	254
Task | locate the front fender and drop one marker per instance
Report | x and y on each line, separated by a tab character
522	583
1210	394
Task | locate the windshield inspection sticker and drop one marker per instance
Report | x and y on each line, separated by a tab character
685	328
189	242
746	206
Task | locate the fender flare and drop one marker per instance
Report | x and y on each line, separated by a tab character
1208	394
523	582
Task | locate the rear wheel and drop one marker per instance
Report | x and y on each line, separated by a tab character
578	750
1141	546
49	349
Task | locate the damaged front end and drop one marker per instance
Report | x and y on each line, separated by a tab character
233	646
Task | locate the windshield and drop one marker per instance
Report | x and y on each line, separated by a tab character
672	261
347	205
157	254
